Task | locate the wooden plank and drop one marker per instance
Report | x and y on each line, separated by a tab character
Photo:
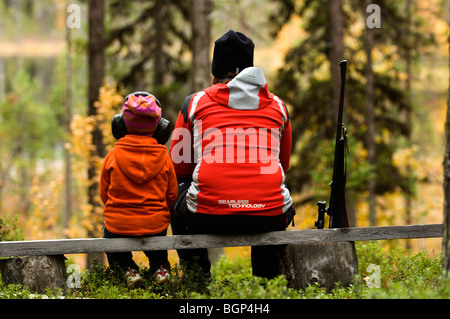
92	245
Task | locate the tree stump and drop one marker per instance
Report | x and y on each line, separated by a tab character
322	263
37	273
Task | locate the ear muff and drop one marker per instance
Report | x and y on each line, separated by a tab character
118	127
162	132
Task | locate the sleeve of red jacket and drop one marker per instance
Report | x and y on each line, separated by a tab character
286	143
181	149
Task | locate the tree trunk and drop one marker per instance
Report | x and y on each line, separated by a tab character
2	66
160	77
200	11
370	115
324	264
96	60
336	54
38	273
67	121
408	194
446	239
201	32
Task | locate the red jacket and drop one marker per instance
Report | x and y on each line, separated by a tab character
234	140
137	186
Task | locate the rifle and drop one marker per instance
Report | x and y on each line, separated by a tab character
337	209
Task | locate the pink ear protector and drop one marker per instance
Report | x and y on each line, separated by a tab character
162	132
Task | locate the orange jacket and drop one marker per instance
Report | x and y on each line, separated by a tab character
137	186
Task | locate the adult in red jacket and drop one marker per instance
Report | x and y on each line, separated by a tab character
230	148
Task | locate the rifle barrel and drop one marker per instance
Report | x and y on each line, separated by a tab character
337	209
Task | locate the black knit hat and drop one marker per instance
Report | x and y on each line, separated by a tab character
232	51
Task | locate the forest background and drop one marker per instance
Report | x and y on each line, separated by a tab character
61	82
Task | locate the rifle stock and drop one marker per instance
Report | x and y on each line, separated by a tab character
337	208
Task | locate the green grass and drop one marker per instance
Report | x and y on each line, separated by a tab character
402	275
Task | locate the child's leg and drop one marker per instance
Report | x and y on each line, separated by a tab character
121	259
158	258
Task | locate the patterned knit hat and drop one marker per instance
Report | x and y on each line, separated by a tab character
141	115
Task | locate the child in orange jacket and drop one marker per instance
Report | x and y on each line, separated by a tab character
138	186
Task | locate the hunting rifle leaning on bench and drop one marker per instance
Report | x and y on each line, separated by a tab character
337	209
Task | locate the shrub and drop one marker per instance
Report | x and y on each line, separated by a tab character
9	231
402	275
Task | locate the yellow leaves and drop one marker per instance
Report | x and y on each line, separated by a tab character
405	161
81	142
109	103
75	231
83	150
391	208
82	126
360	152
404	157
81	145
384	137
92	219
46	189
44	199
386	59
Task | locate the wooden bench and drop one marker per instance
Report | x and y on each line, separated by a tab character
95	245
326	256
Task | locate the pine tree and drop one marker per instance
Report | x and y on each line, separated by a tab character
446	239
96	61
306	84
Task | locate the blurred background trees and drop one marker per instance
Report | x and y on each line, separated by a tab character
56	102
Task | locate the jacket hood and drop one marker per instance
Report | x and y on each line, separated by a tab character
247	91
139	157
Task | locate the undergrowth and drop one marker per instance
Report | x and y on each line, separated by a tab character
401	275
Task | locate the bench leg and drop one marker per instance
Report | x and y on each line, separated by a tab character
35	272
322	263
